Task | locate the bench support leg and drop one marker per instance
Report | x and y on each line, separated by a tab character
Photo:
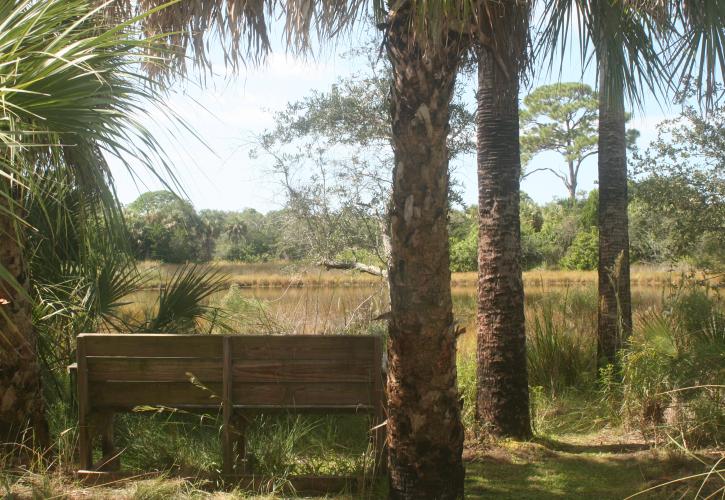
85	445
240	443
110	460
379	445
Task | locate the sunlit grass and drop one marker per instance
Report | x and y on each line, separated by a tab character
285	274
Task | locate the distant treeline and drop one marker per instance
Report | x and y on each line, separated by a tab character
559	234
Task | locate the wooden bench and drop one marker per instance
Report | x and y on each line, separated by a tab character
234	374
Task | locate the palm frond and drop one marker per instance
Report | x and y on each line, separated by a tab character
183	302
73	92
697	53
625	37
243	27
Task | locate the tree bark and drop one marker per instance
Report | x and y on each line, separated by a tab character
22	417
502	398
572	183
424	430
615	301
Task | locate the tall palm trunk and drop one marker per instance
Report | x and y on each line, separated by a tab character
21	400
424	430
615	301
502	396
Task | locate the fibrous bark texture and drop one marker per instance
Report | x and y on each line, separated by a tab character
424	430
22	417
502	400
615	300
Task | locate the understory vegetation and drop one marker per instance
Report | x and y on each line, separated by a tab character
661	408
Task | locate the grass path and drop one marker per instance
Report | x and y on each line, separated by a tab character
585	467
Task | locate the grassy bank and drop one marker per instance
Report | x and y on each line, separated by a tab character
286	274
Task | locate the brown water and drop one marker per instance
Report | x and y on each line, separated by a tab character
328	310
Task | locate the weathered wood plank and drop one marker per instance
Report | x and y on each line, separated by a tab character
291	395
144	369
272	371
153	345
379	430
227	387
302	347
85	440
126	395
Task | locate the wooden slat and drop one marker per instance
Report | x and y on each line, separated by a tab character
153	345
290	395
84	398
154	369
302	347
378	397
125	395
356	409
227	446
302	371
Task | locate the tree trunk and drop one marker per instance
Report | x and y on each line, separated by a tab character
572	184
502	397
424	430
22	417
615	301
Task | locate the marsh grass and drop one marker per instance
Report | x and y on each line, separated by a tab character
283	274
561	347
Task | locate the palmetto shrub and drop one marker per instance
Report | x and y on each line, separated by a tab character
673	373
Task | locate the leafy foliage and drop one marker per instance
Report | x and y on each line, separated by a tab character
681	177
164	227
583	252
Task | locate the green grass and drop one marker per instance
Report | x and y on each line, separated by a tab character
560	469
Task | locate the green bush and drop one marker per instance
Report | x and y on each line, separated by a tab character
464	253
673	374
583	254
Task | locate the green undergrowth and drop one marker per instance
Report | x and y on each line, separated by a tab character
277	445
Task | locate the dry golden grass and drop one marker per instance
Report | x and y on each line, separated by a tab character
271	275
286	274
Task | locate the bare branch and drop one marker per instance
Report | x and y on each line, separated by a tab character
357	266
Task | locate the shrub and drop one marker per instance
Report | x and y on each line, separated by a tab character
673	373
464	253
583	254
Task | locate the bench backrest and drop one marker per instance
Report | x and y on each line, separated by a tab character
266	372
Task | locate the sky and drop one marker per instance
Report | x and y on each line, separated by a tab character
228	110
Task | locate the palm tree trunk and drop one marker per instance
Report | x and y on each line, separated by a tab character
21	399
615	301
424	430
502	396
